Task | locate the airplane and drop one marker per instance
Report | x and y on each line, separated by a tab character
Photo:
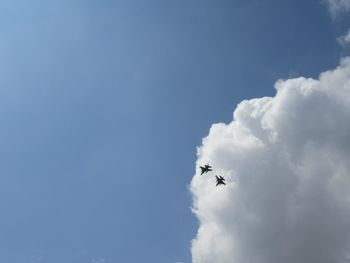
220	180
205	169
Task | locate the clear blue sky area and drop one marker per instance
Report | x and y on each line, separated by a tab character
102	105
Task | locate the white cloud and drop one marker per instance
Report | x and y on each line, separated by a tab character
98	260
286	160
344	40
338	6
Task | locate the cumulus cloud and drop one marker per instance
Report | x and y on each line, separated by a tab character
338	6
286	160
344	40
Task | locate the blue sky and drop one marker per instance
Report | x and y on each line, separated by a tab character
103	103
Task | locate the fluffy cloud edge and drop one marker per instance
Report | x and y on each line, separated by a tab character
337	7
285	134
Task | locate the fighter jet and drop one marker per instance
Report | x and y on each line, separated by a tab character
205	169
220	180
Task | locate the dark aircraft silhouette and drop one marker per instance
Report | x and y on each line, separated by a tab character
220	180
205	169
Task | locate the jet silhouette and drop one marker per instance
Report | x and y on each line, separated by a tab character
220	180
205	169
